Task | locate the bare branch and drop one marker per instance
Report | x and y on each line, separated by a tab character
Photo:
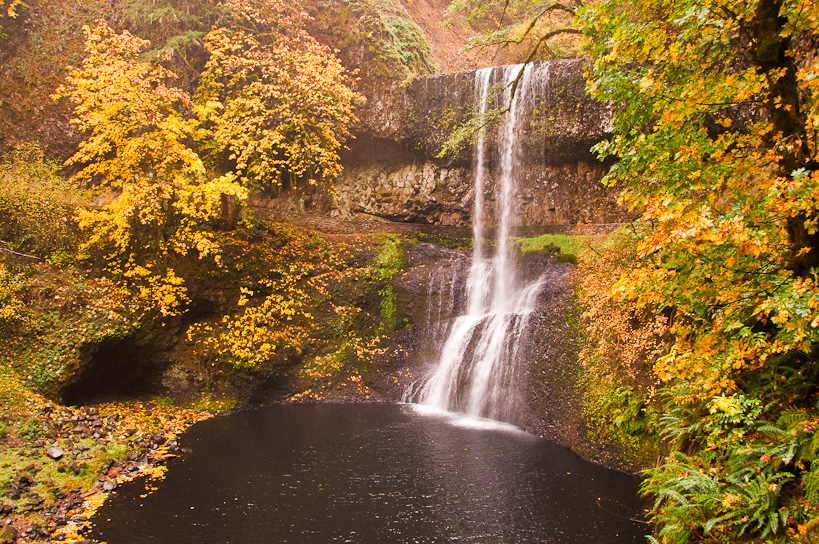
541	41
18	254
505	7
557	6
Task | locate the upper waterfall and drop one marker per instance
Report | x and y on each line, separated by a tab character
392	169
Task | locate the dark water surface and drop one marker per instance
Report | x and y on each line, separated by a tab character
371	473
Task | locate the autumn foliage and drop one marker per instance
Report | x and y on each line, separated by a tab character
717	150
715	137
278	103
622	341
139	145
272	104
9	9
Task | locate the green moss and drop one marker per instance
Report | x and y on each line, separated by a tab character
163	400
566	247
389	261
30	429
389	310
212	403
51	476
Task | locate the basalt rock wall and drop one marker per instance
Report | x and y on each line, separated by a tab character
392	169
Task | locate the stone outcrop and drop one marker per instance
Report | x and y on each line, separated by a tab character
392	171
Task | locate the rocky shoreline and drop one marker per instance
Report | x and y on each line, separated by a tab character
79	456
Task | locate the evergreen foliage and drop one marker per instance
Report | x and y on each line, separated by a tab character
175	29
407	41
376	38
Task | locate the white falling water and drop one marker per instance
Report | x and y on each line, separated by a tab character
441	296
477	369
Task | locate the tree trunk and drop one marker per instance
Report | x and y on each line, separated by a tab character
770	51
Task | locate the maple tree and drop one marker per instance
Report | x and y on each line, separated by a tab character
272	106
139	145
278	103
714	129
717	150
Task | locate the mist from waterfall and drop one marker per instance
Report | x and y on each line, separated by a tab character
477	370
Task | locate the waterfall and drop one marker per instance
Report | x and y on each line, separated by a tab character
477	369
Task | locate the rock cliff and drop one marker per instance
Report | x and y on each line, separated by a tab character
392	169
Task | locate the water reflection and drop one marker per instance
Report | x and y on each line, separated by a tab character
371	474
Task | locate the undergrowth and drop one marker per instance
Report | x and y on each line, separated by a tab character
620	344
37	207
51	301
739	466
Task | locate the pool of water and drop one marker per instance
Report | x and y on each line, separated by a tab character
372	473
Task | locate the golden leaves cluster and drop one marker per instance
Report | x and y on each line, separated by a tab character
265	327
279	104
722	165
273	105
273	317
139	145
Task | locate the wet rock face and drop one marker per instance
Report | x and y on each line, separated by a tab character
413	192
391	169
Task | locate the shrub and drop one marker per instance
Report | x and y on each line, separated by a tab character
36	205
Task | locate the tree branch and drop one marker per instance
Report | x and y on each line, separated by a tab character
557	6
542	40
18	254
503	14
